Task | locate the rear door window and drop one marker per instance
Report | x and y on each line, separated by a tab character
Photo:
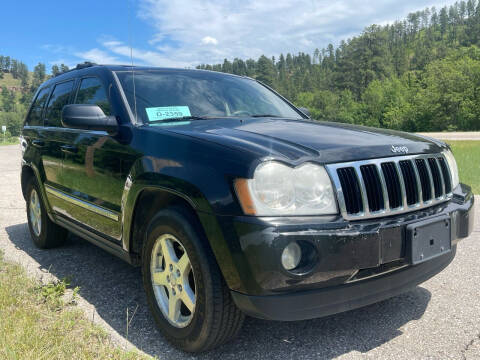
59	98
92	91
35	116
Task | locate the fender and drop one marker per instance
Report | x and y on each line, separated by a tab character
141	178
43	194
145	175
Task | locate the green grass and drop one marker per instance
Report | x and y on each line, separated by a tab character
9	141
467	154
37	323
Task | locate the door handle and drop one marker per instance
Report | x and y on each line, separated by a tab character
38	143
69	149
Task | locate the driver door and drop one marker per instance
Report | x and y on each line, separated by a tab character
95	168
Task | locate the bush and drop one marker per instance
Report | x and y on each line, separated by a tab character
13	121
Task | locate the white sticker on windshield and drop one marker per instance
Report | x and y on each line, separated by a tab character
167	112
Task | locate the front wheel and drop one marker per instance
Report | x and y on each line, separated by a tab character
186	293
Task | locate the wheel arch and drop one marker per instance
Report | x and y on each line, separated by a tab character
150	200
26	174
147	192
29	171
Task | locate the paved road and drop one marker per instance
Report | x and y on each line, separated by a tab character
438	320
458	135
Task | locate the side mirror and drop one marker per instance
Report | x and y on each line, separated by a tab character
305	111
88	117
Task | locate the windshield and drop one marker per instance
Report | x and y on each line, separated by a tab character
165	95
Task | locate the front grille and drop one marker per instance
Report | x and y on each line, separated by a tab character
383	187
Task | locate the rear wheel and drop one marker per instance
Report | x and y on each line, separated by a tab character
186	293
45	234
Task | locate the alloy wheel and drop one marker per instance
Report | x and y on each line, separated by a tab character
35	213
173	280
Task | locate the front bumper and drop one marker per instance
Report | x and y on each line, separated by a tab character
331	300
358	262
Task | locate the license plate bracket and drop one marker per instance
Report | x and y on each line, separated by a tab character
428	239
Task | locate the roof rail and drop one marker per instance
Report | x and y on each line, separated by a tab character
86	64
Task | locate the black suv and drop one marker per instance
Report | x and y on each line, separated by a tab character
232	200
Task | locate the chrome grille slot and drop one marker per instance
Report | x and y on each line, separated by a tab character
446	175
437	181
352	194
410	181
425	180
372	185
388	186
393	184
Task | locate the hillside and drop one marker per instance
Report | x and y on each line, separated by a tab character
419	74
10	82
17	86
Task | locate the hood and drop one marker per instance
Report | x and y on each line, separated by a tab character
297	139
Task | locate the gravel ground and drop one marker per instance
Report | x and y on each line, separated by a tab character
458	135
438	320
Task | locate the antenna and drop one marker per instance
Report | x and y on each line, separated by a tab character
130	32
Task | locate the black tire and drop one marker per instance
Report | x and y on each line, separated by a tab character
51	235
216	318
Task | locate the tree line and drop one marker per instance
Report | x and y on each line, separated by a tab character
418	74
14	101
17	68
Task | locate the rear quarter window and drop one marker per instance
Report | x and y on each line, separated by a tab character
59	98
35	115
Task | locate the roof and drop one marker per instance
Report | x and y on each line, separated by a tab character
88	65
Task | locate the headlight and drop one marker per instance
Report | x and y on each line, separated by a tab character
277	189
452	164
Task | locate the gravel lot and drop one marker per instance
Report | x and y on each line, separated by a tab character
438	320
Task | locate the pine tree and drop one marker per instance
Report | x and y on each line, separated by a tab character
39	74
7	99
14	68
6	64
63	68
55	70
265	70
443	21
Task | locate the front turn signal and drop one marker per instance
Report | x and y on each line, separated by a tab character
243	194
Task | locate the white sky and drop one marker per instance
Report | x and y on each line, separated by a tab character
190	32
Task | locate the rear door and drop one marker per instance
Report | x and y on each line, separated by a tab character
53	140
33	142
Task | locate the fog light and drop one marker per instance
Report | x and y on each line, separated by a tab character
291	256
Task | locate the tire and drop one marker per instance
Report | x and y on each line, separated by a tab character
45	234
215	318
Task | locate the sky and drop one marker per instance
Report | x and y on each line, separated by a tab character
185	33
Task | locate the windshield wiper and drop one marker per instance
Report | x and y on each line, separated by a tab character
264	115
181	118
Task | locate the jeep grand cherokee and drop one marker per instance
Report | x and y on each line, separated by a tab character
232	200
